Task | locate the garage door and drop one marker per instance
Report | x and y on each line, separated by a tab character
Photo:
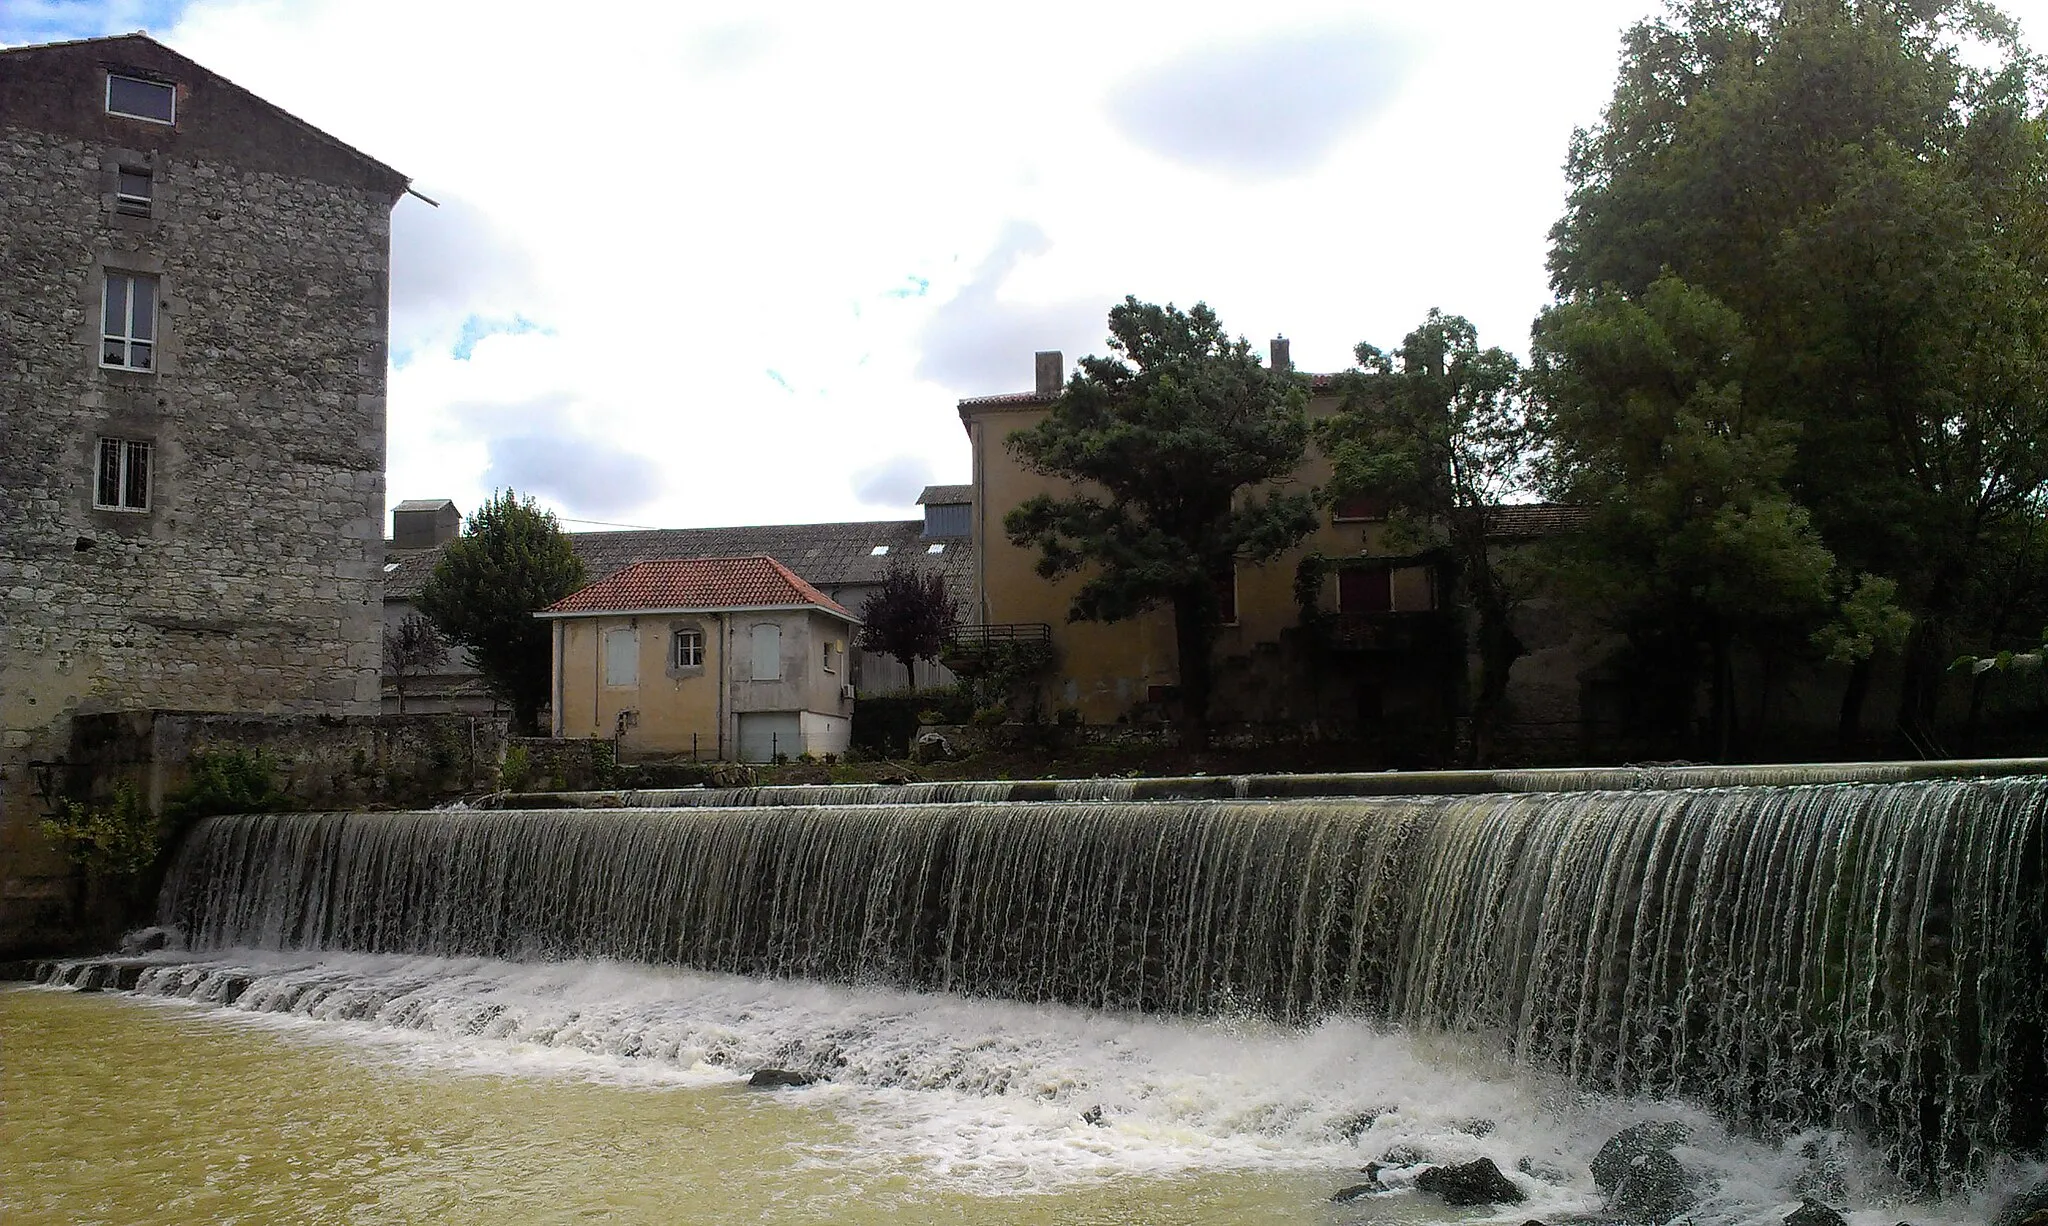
763	734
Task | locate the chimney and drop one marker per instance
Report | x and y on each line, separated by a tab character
1282	359
1052	372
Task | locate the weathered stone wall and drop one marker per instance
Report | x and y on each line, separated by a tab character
251	582
318	761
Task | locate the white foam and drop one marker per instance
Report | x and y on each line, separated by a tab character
989	1095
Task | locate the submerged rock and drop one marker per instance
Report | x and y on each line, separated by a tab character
1478	1182
1616	1157
1093	1115
1824	1176
1473	1127
1346	1195
149	940
1543	1171
1404	1155
1813	1213
1351	1127
777	1078
2024	1207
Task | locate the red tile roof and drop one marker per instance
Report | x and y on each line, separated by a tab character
706	584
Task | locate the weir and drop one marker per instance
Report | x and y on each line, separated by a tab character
1871	956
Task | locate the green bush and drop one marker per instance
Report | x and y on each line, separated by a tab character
230	781
121	840
884	723
990	716
516	771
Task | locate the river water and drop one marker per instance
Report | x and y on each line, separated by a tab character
246	1086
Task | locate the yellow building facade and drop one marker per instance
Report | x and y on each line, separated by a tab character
1103	669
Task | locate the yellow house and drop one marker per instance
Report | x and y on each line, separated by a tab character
715	658
1383	605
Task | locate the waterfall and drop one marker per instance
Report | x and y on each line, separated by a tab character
1863	955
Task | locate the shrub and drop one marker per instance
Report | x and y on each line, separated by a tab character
230	781
990	716
517	769
120	840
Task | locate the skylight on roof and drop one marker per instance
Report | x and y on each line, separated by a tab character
878	551
939	548
389	567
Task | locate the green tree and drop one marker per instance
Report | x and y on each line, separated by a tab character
511	561
411	648
1438	428
1176	442
1691	545
1865	184
910	617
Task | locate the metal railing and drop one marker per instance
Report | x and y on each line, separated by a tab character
982	637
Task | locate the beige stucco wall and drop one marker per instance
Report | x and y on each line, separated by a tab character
672	706
1103	668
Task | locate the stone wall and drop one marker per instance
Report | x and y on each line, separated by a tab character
251	581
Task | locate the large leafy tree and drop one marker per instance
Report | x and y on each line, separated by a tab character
1438	428
1175	442
511	561
910	616
1864	183
1692	544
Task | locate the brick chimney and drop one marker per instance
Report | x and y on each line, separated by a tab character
1282	358
1052	372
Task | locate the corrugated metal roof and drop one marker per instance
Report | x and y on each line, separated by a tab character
828	556
698	583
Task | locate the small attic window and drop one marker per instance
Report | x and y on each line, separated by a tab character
134	98
878	551
938	548
389	567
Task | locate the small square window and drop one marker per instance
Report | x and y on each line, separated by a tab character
687	649
121	482
1360	507
128	322
878	551
134	192
134	98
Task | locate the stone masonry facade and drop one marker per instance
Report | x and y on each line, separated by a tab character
239	568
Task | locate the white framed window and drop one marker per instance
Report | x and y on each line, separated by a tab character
686	649
122	473
128	321
135	98
134	191
878	551
828	657
937	548
621	658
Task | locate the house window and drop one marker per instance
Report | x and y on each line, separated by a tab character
128	322
134	98
938	548
1365	591
878	551
621	658
121	482
687	649
1360	507
828	659
134	191
767	652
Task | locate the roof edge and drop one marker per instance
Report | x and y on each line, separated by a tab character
562	615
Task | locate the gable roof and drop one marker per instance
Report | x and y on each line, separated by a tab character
676	585
1316	383
425	504
945	495
142	55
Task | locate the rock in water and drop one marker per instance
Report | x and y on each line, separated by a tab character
1478	1182
1093	1115
776	1078
1356	1190
1812	1213
1622	1149
1403	1155
149	940
2024	1207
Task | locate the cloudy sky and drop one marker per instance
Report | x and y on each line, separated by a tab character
701	264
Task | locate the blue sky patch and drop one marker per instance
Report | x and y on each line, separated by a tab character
918	287
52	21
780	381
477	327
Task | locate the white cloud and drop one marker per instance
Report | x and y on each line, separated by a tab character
891	207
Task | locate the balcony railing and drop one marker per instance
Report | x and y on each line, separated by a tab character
969	649
1387	632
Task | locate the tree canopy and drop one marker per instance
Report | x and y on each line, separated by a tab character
1175	441
511	561
910	617
1438	429
1863	187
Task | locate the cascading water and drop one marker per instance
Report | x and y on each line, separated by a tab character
1867	956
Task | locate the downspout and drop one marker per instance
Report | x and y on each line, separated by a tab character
724	676
559	719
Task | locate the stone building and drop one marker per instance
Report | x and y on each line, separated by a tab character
194	292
